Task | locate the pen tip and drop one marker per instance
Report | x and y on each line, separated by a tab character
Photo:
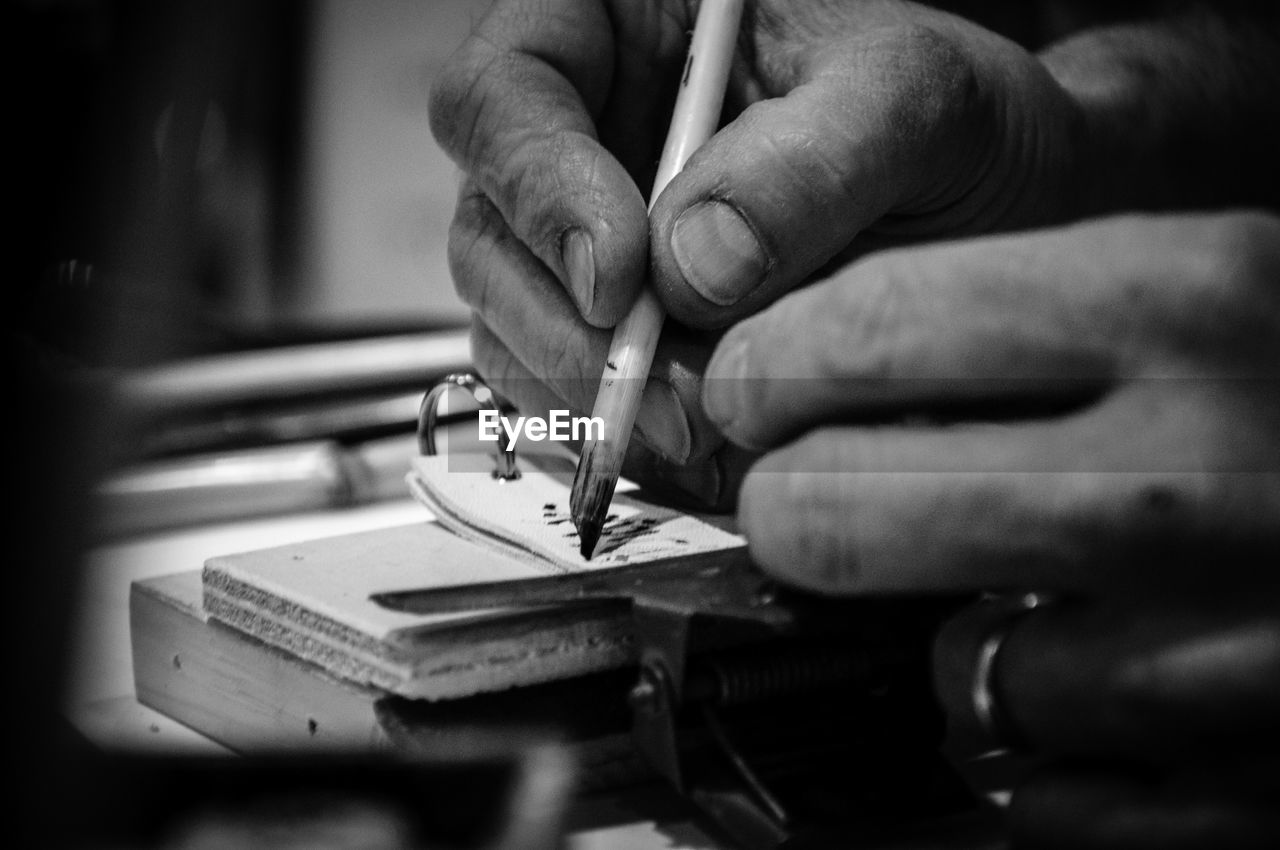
589	534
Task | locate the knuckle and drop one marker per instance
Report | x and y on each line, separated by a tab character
928	76
808	158
1154	509
1130	506
1161	501
864	320
457	98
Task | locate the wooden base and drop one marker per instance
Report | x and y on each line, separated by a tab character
255	698
235	689
311	599
252	697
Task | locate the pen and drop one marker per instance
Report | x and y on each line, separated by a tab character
693	121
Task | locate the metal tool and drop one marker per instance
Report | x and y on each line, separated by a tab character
790	719
787	718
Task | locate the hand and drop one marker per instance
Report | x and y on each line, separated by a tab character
854	125
1088	408
1140	723
1094	412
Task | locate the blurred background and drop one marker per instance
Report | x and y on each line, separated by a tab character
220	171
197	179
193	179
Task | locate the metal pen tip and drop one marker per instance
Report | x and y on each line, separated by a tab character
589	533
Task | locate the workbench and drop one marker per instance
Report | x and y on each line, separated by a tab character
102	704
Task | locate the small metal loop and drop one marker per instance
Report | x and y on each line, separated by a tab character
487	399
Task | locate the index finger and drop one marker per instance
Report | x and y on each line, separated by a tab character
517	108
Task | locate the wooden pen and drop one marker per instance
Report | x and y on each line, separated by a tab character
693	121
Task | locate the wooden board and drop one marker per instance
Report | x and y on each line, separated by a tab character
311	600
234	689
252	697
255	698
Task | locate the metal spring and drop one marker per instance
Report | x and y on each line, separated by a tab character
744	679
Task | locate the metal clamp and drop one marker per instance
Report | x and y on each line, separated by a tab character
485	397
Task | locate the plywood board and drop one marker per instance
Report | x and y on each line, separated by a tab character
311	600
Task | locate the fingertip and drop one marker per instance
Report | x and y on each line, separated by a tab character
697	486
792	533
726	389
662	423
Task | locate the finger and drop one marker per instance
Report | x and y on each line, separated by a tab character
1162	682
524	308
972	507
874	123
918	328
514	109
1047	318
517	297
704	483
1083	808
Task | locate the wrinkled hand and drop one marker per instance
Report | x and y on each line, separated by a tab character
853	125
1089	407
1093	412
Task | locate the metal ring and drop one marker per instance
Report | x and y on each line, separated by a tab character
983	689
487	399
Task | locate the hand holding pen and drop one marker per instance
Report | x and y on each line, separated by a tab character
558	127
855	128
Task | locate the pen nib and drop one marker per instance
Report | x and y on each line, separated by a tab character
589	500
589	533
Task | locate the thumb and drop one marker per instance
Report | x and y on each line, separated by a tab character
889	120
